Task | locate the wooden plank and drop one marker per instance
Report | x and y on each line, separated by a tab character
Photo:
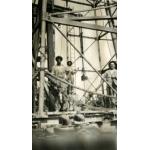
104	111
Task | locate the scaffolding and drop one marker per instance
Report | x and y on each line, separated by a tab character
46	18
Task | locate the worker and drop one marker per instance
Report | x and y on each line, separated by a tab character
70	76
110	75
59	71
91	99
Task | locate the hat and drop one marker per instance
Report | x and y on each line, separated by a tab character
59	57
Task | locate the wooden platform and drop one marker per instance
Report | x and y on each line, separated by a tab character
91	116
102	111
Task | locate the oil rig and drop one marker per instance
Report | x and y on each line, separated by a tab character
83	32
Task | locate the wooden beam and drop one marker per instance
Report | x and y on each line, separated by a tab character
76	2
103	111
92	18
42	63
83	10
88	37
79	24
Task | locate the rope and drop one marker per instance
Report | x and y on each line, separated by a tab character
50	76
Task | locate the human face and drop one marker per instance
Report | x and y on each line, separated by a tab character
58	61
69	64
112	66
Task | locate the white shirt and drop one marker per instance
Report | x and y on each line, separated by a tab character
59	71
70	74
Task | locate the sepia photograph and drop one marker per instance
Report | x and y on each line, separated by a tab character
74	74
88	85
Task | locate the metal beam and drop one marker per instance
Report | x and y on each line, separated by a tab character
79	24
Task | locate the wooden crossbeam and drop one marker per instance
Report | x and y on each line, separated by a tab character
79	24
92	18
94	112
76	2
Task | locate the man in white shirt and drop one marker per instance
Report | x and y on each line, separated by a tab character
59	71
110	75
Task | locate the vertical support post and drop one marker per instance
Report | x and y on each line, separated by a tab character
42	62
50	52
35	48
99	55
50	46
98	48
50	42
111	24
67	29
